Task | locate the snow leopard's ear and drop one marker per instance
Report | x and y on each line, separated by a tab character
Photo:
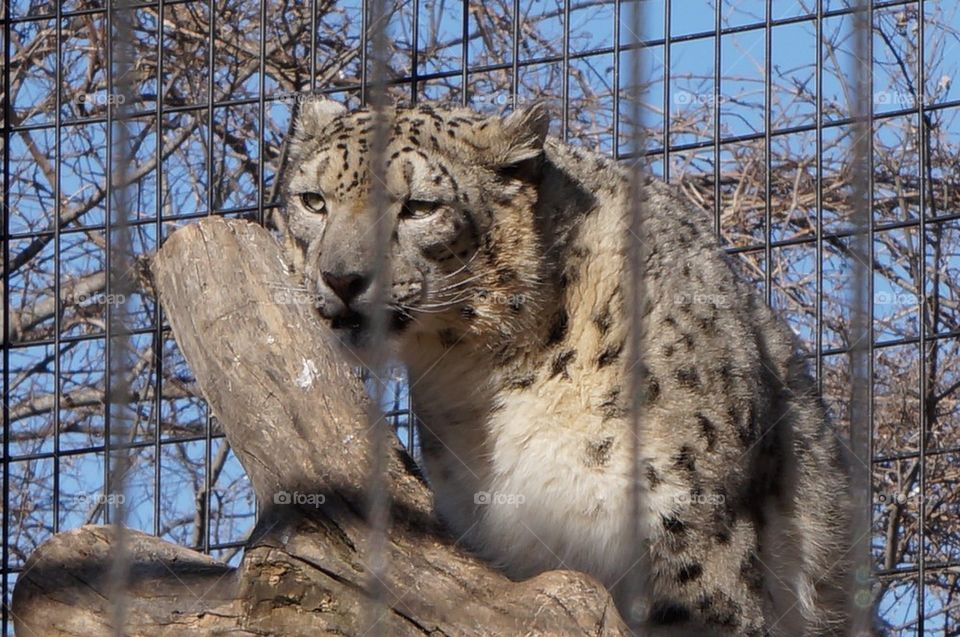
524	131
512	145
312	116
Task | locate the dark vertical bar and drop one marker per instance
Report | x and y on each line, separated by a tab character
211	202
861	328
364	25
57	299
157	311
717	96
515	61
667	74
565	78
313	47
415	57
108	309
261	110
6	318
767	125
211	65
818	337
465	53
924	128
867	451
398	390
616	80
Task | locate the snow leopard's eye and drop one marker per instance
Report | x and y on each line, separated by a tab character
313	201
416	209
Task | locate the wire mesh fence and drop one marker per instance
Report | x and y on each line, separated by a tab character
750	107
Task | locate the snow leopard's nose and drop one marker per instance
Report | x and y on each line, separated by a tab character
347	286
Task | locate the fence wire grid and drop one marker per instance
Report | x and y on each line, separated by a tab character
749	105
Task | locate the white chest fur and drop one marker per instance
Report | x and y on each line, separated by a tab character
555	488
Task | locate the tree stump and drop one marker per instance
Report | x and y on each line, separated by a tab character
296	416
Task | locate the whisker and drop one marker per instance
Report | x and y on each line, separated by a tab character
454	296
443	304
404	310
463	267
425	311
454	286
439	306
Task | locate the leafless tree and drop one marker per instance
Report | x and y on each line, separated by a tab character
782	206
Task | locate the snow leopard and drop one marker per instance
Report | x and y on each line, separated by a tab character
507	294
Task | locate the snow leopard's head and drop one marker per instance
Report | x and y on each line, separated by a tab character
456	209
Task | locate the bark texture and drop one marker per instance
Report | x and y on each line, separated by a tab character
297	418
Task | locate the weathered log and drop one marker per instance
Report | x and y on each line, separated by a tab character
296	416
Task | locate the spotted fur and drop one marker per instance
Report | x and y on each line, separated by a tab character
507	300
